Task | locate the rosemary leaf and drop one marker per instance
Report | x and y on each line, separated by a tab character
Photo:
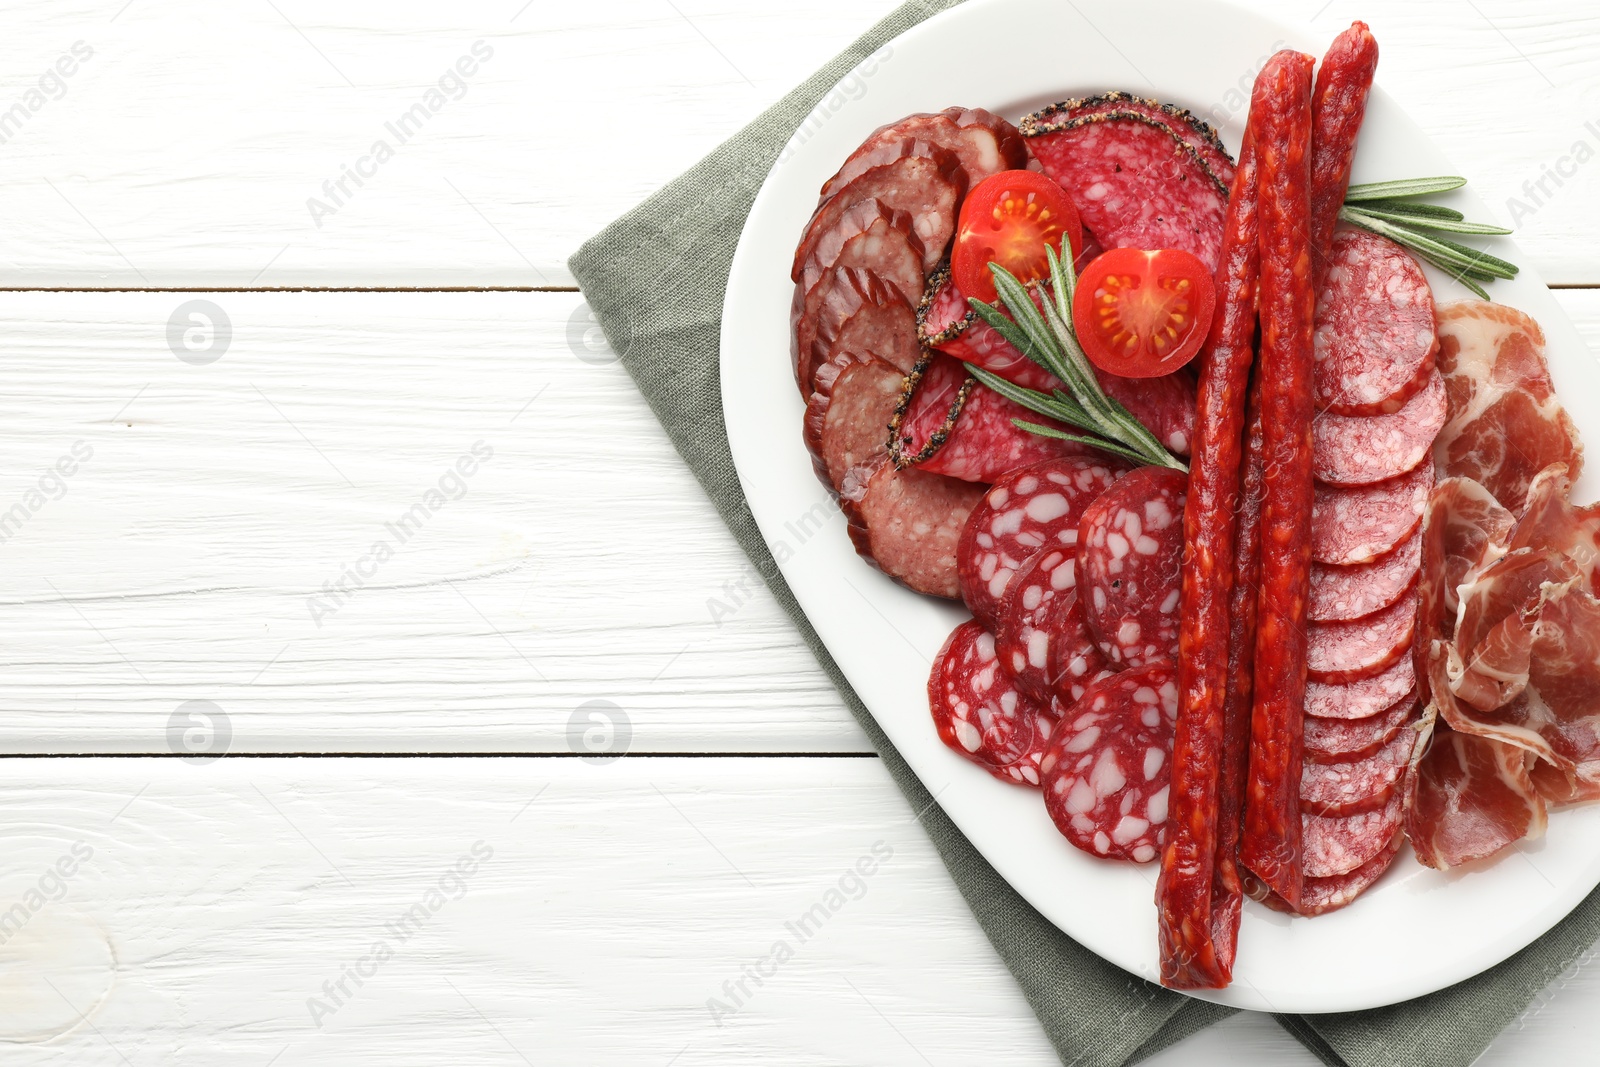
1432	223
1069	412
1407	207
1403	187
1097	442
1482	259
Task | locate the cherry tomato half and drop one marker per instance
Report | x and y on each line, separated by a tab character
1009	218
1143	314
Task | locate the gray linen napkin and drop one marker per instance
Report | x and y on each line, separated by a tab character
655	281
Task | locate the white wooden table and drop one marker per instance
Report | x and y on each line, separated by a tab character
436	518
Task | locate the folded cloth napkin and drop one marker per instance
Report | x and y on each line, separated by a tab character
655	281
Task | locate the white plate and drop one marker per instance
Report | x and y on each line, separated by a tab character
1418	930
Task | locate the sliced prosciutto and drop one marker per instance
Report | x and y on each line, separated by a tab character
1505	423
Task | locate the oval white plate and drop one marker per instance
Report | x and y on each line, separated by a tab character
1418	930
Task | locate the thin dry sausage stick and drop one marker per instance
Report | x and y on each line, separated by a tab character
1338	105
1271	844
1198	897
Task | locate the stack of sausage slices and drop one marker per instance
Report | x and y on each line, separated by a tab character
1329	592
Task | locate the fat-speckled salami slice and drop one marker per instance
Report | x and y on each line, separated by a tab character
1106	776
1348	651
907	523
1028	624
981	714
1360	524
1363	698
1363	449
1344	740
1130	550
1338	845
1354	786
1375	336
1322	895
1076	661
1028	510
1339	594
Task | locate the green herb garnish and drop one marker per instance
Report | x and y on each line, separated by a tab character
1048	339
1380	208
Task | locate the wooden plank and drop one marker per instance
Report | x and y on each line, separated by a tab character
544	910
174	159
190	557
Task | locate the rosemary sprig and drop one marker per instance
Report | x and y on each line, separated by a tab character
1048	339
1380	208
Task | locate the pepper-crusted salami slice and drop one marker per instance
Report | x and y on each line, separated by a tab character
1106	774
1028	625
946	321
1338	104
1271	841
1023	513
980	714
1184	124
907	523
1130	552
1364	698
1198	896
1375	339
1336	845
1135	180
1349	651
1353	786
952	425
1343	740
1339	594
1357	525
1361	450
923	180
1076	661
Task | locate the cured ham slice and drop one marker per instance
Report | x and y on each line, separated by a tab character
1468	797
1463	527
1505	423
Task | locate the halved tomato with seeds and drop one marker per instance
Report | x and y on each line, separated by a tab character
1009	218
1143	314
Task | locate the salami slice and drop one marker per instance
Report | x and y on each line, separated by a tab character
1344	740
1135	180
1365	697
923	180
980	714
982	142
1375	338
1023	513
1130	551
1361	450
946	321
1339	594
1322	895
1348	651
847	418
954	426
873	237
1028	624
1361	524
857	312
1106	776
1076	661
908	522
1338	845
1188	127
1365	784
